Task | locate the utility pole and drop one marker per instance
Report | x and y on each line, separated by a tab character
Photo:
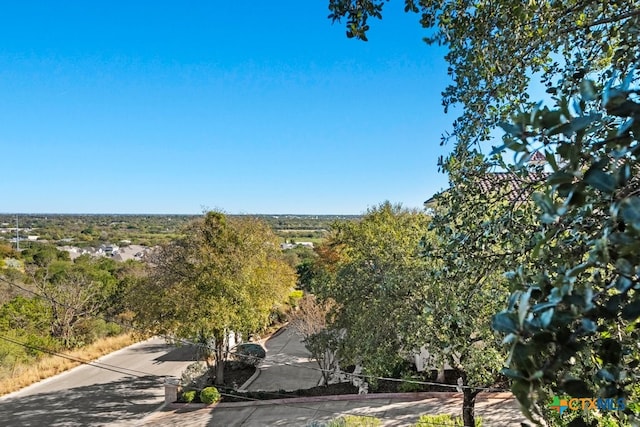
17	235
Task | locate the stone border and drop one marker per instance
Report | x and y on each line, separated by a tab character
256	374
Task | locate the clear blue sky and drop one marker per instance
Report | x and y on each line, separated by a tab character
250	107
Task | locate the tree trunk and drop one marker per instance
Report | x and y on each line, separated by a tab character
219	352
469	406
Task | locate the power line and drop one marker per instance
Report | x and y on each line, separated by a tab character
132	372
120	370
99	365
228	352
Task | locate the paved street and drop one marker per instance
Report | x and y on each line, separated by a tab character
127	387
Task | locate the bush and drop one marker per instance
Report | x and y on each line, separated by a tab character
408	386
443	420
188	396
209	395
348	421
294	297
355	421
194	375
250	353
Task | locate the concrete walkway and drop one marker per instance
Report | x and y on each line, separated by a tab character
286	367
496	410
277	373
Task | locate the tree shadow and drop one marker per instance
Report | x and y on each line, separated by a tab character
183	353
179	354
129	398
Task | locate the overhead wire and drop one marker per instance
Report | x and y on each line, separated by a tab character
132	372
159	378
100	365
184	341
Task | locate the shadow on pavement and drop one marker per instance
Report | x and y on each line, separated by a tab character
184	353
179	354
129	398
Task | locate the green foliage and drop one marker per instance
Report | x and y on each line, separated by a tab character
12	354
43	255
294	297
209	395
28	314
443	420
188	396
354	421
87	331
477	231
408	386
75	292
573	325
371	270
250	353
571	321
226	275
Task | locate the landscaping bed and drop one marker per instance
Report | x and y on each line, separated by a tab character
235	375
382	386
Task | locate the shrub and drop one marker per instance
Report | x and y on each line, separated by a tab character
209	395
250	353
112	329
354	421
194	375
443	420
408	386
294	297
188	396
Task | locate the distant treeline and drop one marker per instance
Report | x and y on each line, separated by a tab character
93	230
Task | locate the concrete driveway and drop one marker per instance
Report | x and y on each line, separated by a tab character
404	409
277	372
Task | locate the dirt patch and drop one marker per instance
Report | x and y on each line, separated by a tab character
236	374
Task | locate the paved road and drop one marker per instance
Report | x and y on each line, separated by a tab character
127	387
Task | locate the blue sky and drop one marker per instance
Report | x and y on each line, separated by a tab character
249	107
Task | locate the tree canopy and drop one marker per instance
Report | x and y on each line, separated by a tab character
495	48
571	321
375	266
224	276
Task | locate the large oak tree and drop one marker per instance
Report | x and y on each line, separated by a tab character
224	276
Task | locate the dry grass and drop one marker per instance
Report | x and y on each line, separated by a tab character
23	375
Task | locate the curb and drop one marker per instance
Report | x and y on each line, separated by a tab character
59	374
259	369
250	381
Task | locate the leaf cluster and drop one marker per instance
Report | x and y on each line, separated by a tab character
572	326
